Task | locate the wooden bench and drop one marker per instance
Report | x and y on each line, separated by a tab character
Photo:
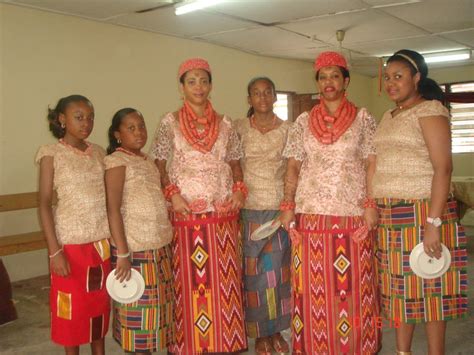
20	243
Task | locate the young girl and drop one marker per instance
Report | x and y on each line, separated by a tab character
266	262
141	233
76	230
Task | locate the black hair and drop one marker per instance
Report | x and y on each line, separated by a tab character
428	88
344	71
182	77
114	127
61	106
251	83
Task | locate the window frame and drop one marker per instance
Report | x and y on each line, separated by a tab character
447	89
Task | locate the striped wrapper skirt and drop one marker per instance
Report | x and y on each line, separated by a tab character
147	324
334	297
267	283
406	297
207	267
80	304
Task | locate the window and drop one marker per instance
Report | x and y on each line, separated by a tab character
462	117
281	106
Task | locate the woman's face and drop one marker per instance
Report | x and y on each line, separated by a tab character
196	87
262	97
331	83
399	82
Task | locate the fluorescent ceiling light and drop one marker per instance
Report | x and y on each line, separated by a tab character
441	57
195	5
447	56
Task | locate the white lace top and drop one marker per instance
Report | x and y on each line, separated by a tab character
199	176
332	178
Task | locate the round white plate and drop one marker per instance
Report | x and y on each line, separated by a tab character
427	267
126	291
265	230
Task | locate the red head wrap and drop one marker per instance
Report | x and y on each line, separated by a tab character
193	63
327	59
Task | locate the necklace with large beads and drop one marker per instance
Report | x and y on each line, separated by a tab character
328	129
202	141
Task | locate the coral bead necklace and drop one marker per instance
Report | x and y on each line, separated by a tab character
328	129
202	141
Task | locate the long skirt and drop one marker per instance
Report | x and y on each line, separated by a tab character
147	324
335	308
207	269
406	297
80	304
267	284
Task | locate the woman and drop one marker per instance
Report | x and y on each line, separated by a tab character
417	131
266	261
330	164
203	181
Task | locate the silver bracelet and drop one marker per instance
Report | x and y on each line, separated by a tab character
126	255
56	253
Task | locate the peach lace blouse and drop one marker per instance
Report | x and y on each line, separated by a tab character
199	176
80	215
144	211
263	164
404	168
332	178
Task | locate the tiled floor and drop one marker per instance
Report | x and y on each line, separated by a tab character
30	333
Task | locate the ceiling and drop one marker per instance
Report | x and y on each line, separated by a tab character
296	29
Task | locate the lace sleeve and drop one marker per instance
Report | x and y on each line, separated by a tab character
368	131
294	147
45	151
161	146
112	161
234	145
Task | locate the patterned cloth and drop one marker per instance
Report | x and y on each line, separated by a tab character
207	284
80	215
199	176
335	306
144	212
332	178
80	304
147	325
405	296
266	277
263	164
400	138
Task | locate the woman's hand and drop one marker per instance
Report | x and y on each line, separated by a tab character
59	265
179	204
371	217
123	269
286	218
237	201
432	241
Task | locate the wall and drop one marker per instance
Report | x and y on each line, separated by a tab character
45	56
463	163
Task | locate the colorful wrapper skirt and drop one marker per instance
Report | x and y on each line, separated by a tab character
267	286
80	304
334	298
405	296
147	324
207	269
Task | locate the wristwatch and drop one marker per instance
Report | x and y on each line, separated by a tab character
436	221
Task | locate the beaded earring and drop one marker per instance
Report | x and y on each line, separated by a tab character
119	141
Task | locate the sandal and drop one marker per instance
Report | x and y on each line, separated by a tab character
279	344
263	346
